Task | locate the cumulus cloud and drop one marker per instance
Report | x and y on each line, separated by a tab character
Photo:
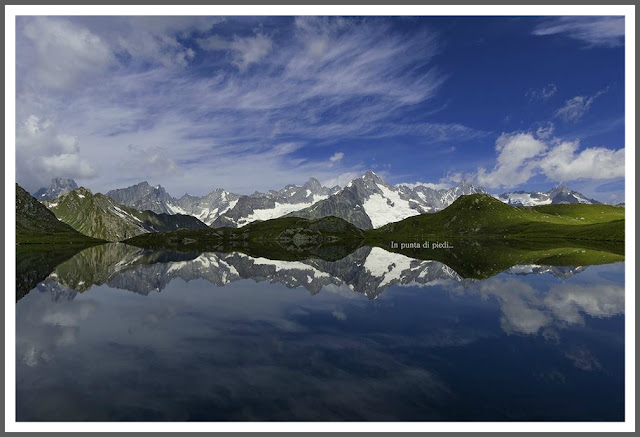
564	162
593	31
42	153
521	156
515	164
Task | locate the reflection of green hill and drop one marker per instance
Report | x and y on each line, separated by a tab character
34	262
97	265
481	259
94	265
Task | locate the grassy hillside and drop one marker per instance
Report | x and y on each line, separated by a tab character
35	224
480	216
102	217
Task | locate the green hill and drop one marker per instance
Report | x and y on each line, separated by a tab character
35	224
102	217
480	216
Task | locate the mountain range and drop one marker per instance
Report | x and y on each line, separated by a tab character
556	196
368	202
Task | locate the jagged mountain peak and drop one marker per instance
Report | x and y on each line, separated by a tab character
373	176
57	187
313	184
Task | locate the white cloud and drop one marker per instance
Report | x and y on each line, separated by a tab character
575	108
594	31
62	54
336	157
565	163
246	50
545	93
514	164
250	50
42	153
341	180
316	80
521	156
433	186
545	131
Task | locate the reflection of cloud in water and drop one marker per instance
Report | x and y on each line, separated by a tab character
237	354
527	310
583	359
45	325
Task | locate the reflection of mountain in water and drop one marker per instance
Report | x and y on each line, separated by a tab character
564	272
368	271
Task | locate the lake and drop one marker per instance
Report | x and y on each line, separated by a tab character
117	333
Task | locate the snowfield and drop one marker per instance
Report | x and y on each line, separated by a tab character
279	210
380	212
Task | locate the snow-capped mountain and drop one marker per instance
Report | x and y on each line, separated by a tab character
534	198
368	202
57	187
274	204
207	208
223	208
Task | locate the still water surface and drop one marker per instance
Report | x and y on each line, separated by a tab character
120	334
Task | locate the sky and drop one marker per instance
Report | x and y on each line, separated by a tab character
256	103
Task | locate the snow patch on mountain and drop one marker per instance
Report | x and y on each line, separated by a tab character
387	207
279	210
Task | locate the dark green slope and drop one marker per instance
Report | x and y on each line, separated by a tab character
282	238
35	224
100	216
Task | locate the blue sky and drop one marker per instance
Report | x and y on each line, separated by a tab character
255	103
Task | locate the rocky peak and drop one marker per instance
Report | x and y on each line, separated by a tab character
313	185
57	187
